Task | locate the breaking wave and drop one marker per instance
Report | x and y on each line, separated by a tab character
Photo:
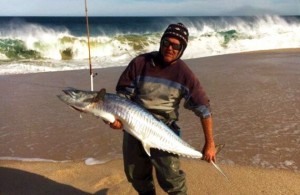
57	45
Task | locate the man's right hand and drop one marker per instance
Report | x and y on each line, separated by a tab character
117	124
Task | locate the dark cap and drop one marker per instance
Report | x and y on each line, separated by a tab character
178	31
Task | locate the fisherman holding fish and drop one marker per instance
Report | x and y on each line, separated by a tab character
158	81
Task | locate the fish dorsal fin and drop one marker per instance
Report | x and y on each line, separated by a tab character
100	95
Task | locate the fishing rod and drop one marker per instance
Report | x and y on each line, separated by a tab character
89	48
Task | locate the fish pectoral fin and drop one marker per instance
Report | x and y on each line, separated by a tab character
146	148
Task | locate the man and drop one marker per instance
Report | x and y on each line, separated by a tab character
158	81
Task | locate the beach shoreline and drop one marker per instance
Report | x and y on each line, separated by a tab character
255	103
109	178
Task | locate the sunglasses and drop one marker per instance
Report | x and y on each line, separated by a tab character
167	43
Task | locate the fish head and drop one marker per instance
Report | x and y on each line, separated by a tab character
80	100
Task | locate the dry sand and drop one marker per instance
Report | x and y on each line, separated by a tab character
78	178
224	77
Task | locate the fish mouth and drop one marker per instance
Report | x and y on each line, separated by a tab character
80	95
70	101
76	99
77	109
72	92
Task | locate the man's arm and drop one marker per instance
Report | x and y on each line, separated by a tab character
209	153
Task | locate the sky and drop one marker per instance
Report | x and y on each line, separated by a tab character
148	7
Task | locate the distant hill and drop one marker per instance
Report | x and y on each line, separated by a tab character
250	11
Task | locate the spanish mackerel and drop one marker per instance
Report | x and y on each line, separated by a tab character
136	120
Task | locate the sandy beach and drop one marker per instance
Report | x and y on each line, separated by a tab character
255	98
77	178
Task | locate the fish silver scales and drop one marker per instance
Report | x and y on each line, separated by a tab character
136	120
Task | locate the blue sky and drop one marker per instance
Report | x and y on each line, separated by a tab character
148	7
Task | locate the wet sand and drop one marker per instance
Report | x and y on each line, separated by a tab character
255	99
77	178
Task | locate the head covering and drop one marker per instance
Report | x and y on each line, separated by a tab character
178	31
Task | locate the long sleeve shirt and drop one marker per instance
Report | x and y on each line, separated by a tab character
160	87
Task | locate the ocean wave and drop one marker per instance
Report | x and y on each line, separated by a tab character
21	40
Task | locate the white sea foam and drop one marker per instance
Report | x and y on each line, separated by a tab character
92	161
31	159
88	161
207	37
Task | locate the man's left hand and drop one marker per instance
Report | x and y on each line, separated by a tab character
209	152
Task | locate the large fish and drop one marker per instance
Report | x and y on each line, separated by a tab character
136	120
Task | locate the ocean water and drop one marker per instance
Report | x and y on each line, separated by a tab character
34	131
42	44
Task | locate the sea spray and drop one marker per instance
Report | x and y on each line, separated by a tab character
59	43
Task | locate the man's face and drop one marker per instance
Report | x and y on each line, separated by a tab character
170	48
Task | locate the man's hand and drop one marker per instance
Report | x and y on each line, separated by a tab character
209	152
117	124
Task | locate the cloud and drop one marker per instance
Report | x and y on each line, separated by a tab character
149	8
249	11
